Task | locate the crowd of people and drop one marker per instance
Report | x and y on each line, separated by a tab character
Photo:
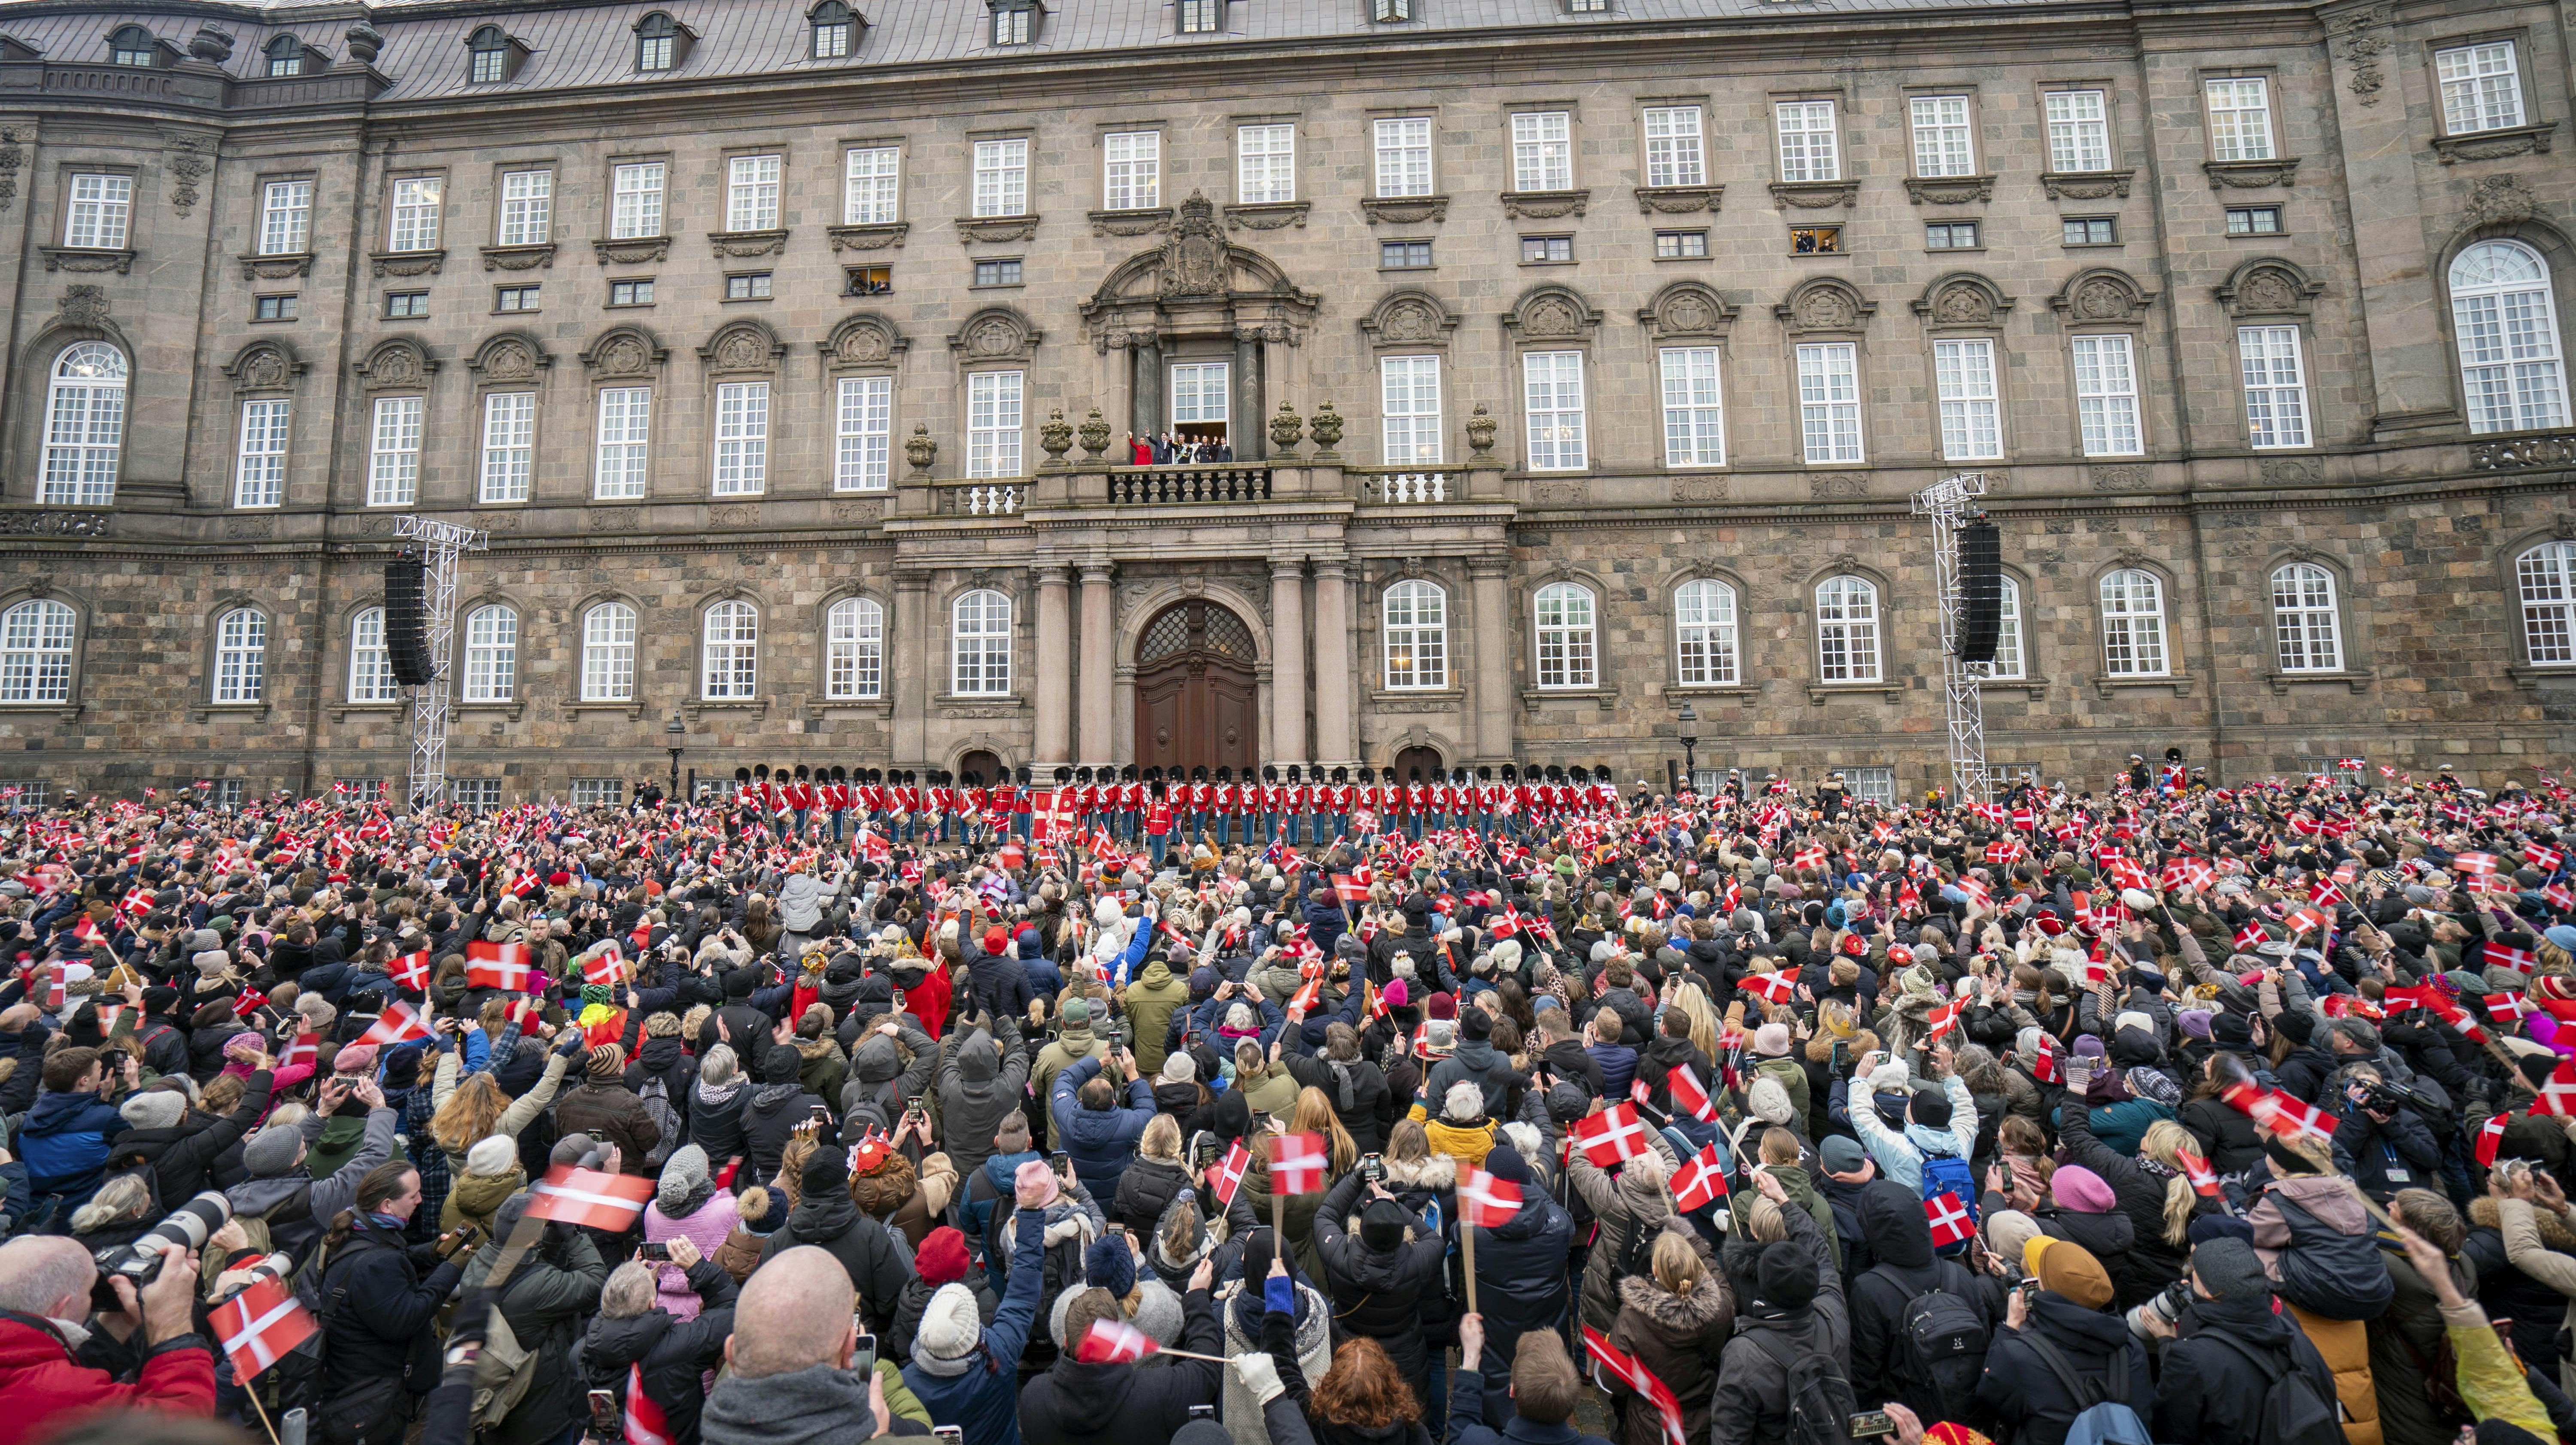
2161	1112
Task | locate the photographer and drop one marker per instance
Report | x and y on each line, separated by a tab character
379	1294
45	1286
2390	1145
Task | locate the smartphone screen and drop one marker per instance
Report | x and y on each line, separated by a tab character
603	1415
1060	1161
1869	1423
863	1359
954	1434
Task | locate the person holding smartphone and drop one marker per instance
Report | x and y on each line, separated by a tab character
962	1369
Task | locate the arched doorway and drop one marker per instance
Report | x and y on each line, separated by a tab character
1195	698
1425	758
983	764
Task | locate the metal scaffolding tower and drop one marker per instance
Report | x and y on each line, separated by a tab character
441	545
1950	503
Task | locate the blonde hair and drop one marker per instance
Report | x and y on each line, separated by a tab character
1677	1266
1315	1116
1408	1141
1693	1001
468	1116
2162	1143
1763	1219
1162	1139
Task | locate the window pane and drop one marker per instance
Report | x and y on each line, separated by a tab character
608	653
1552	389
1404	156
491	654
1673	156
1941	141
1971	416
1416	635
638	204
1847	630
1266	162
84	425
2079	131
36	652
393	452
2240	120
2548	575
98	212
509	444
1694	418
527	207
865	426
1704	634
2106	396
1001	177
259	475
751	194
854	647
2133	624
2303	619
993	424
414	224
2276	396
1134	167
1410	389
1809	150
742	438
286	217
1565	636
2481	87
1829	402
874	187
732	652
625	426
1542	151
2507	328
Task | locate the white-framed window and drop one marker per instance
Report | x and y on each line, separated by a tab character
1410	389
2508	338
2133	624
2303	618
2547	574
742	438
491	654
1694	409
241	656
84	425
598	792
527	208
1543	151
509	445
2079	131
2276	389
393	452
1198	392
259	468
1566	649
865	427
2481	87
285	217
625	430
731	652
475	795
371	666
1001	177
1416	629
102	206
979	639
1673	153
1847	630
608	653
1971	412
1265	164
412	223
1809	149
751	193
1011	23
36	652
1872	784
2008	663
635	208
1404	156
1200	17
1704	639
854	650
488	57
872	187
1132	170
1552	394
1829	401
2106	396
1944	143
2240	118
993	424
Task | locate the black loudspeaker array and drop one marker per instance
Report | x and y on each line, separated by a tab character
406	642
1981	590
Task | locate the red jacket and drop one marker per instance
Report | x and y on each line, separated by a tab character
47	1391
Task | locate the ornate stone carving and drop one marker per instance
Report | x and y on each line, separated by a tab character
872	510
633	250
616	519
2102	295
733	516
519	258
509	359
996	334
83	305
188	158
868	238
276	268
1286	427
1405	210
1545	205
863	341
625	353
1949	190
919	449
1678	200
2251	175
396	364
1703	487
502	519
1838	486
211	45
971	229
1480	433
55	524
2086	185
2116	479
58	258
2289	471
1143	222
743	346
1815	195
1409	318
250	528
1194	258
2507	456
1824	304
1055	438
1328	431
1686	308
1095	434
2268	288
2499	201
2360	46
1266	215
365	42
262	366
746	244
408	263
1559	492
1552	313
14	140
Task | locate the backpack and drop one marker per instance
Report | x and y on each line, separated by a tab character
2294	1411
297	1206
1940	1350
502	1373
2328	1272
1820	1398
1948	1174
2102	1417
656	1095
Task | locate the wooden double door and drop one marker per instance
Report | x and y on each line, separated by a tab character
1197	705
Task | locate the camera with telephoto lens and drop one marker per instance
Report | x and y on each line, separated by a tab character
2167	1306
2388	1098
140	1261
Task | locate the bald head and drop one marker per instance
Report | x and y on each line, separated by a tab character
47	1276
793	1314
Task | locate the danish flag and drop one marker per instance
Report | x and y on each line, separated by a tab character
1638	1378
2188	873
2560	896
1113	1342
1487	1201
398	1024
1226	1175
497	965
260	1325
604	967
1951	1221
2558	1096
1612	1136
1702	1182
645	1423
1775	987
1689	1095
137	901
1353	887
2547	860
2520	960
2479	864
305	1049
590	1197
1811	856
2508	1009
411	971
1298	1163
2284	1115
2490	1137
2197	1170
1946	1018
2043	1064
88	932
2251	936
2324	894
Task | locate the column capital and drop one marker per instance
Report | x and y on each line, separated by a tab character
1287	567
1336	568
911	582
1098	574
1053	574
1486	568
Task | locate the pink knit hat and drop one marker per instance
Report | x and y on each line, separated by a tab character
1036	1175
2082	1190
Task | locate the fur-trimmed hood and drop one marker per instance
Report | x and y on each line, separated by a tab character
1438	1171
2553	1231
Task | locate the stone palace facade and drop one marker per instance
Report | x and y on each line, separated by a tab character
1573	361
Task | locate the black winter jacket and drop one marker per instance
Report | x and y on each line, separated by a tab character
1380	1293
673	1352
378	1298
1901	1237
2210	1385
864	1246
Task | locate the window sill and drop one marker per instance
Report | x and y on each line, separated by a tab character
1686	691
872	236
632	250
519	258
1949	190
2528	677
1545	205
1601	697
62	711
509	711
1819	692
2086	185
1678	200
755	706
255	711
740	244
634	711
823	707
2281	235
2091	245
2105	685
2251	175
407	263
2487	145
340	710
1265	215
971	229
2359	679
1668	260
1815	195
1954	250
2037	687
82	258
1425	699
1135	221
277	267
1405	210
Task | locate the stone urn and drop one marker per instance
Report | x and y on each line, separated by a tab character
1055	439
1285	429
919	449
1095	434
1328	432
1480	431
365	43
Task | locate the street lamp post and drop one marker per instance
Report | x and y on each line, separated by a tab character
1690	740
675	736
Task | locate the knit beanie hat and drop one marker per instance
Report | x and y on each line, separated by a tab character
2082	1190
592	993
1930	1108
354	1059
2068	1269
1440	1006
951	1329
2009	1232
1771	1040
1505	1162
244	1047
271	1151
1109	1265
1382	1225
1787	1278
942	1257
1036	1175
496	1156
683	1174
662	1025
155	1109
1768	1101
1475	1023
211	963
2229	1269
607	1061
779	1066
827	1172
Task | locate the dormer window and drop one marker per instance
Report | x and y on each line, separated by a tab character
285	57
1587	7
1391	11
132	45
491	56
1015	22
1202	17
836	30
657	42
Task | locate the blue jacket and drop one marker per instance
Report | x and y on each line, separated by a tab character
1101	1141
985	1400
64	1142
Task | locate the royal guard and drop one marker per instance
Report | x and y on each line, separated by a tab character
1416	802
1297	800
1336	799
1158	816
1002	804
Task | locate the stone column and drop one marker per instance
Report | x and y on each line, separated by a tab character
1335	742
1245	402
1145	398
1055	665
1098	666
1287	660
1488	580
912	670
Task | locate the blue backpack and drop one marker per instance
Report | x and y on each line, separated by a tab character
1948	1174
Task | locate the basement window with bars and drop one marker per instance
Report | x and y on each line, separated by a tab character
598	792
1874	785
480	794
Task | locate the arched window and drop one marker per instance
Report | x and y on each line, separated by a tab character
2303	619
657	39
491	654
854	650
834	30
488	52
732	652
979	632
2133	624
371	667
2008	663
2548	576
36	652
1417	636
241	656
1565	636
2508	332
132	45
608	653
285	57
84	425
1704	634
1847	630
